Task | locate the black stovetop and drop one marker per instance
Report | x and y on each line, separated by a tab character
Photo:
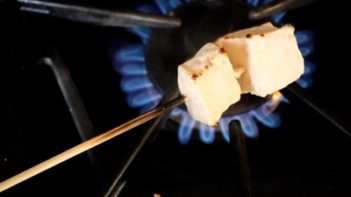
306	156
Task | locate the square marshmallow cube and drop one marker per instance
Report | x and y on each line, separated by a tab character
269	57
208	82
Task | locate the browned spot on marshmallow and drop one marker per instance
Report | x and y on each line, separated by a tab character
194	76
206	66
262	35
248	35
221	50
226	37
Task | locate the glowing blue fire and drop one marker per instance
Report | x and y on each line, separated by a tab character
141	93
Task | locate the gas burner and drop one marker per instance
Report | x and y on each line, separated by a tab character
41	95
149	68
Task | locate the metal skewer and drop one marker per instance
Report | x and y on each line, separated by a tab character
91	143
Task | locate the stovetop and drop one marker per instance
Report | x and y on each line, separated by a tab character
306	156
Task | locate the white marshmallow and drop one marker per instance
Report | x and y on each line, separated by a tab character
208	82
269	56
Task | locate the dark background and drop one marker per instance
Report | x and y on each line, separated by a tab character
307	156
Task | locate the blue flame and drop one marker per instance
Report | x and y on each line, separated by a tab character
304	37
207	134
253	3
305	40
142	32
266	117
133	53
141	93
185	129
130	63
134	84
166	6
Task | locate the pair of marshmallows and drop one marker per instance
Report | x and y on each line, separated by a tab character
259	60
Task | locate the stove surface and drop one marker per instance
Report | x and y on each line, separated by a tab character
306	156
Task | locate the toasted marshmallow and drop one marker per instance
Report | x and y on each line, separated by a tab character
208	82
269	57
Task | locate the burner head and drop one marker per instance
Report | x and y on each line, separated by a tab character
168	48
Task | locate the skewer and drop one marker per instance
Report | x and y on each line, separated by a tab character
91	143
151	132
